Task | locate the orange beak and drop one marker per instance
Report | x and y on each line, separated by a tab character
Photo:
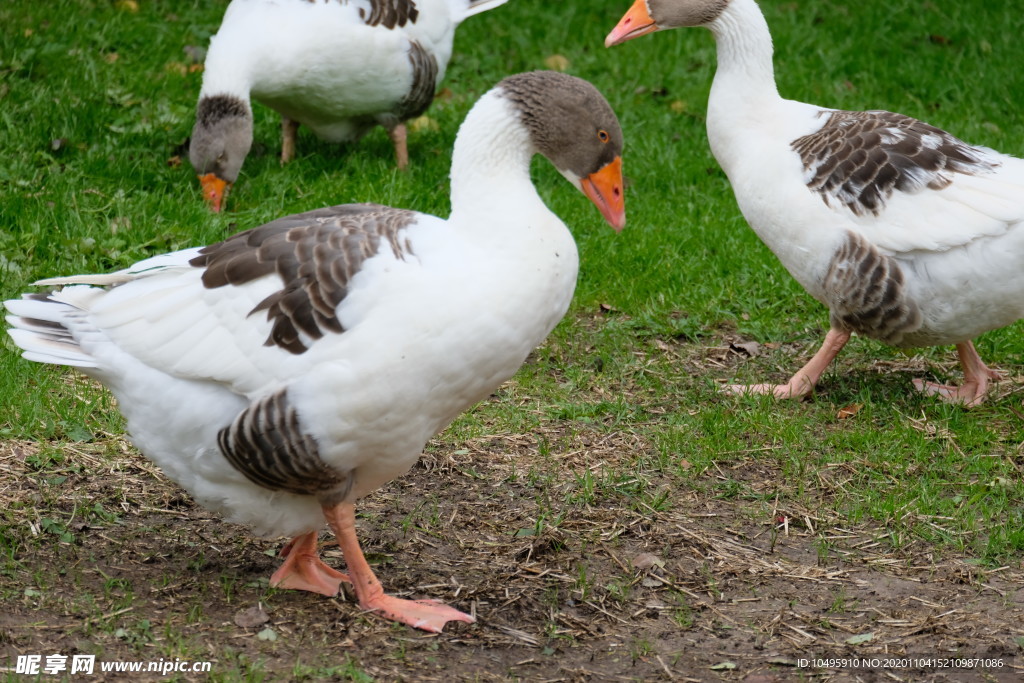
604	188
635	23
214	191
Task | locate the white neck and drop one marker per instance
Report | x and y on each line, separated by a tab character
745	46
226	71
492	150
744	90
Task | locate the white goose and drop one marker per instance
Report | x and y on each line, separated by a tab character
283	373
339	67
909	235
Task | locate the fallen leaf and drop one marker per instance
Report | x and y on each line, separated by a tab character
174	162
647	560
196	53
782	661
849	411
127	5
267	634
557	62
252	617
724	666
422	124
858	639
679	106
751	348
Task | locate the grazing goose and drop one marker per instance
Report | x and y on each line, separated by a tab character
908	235
339	67
287	371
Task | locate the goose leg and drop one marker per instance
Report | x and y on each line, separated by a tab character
304	570
398	136
289	131
976	378
805	378
429	615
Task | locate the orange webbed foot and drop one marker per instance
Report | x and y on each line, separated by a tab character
427	615
304	570
776	390
969	394
977	375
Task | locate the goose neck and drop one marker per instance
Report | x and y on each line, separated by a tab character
744	49
491	158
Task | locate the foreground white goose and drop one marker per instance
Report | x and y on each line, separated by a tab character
283	373
909	235
339	67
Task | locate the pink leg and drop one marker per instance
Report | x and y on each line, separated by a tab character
289	131
304	570
976	377
398	136
806	377
429	615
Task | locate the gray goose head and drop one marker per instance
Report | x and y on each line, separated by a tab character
220	142
572	124
648	16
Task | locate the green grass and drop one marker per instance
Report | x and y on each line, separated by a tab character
96	103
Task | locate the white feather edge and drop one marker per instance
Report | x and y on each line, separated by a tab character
972	207
478	6
150	266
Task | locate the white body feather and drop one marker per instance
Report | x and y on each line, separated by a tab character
320	64
960	247
426	336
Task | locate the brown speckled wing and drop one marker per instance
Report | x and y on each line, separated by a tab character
386	13
865	291
315	254
390	13
266	444
858	159
424	83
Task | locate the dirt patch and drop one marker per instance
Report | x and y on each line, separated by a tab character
570	580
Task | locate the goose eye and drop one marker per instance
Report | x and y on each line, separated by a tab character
603	136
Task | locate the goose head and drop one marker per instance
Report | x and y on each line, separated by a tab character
570	122
220	142
648	16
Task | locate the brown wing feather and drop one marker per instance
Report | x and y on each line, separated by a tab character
866	292
424	83
387	13
315	254
390	13
266	443
860	158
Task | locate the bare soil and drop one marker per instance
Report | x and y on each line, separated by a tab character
696	588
